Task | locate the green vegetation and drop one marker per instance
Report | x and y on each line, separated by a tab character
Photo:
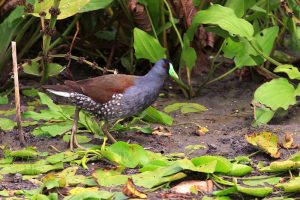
262	36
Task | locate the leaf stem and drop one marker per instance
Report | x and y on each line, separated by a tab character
271	60
72	24
47	40
173	23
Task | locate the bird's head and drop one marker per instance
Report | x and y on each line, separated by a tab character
165	67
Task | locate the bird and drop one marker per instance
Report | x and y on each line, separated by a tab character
113	96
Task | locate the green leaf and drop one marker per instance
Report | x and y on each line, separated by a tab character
262	116
147	47
155	116
28	152
3	100
292	185
30	169
222	165
223	17
7	124
185	107
45	99
290	70
95	5
278	93
128	155
8	112
33	68
237	5
8	29
261	181
239	170
67	8
188	55
255	191
150	179
81	139
55	69
4	193
66	156
53	129
90	195
266	38
244	54
225	192
32	92
70	177
108	178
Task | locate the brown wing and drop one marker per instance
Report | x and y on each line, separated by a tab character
101	88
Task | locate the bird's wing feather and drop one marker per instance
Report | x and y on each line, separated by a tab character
101	88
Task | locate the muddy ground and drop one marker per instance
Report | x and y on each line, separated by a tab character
228	119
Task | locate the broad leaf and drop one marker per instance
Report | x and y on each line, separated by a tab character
95	5
188	55
223	17
278	93
223	164
262	181
185	107
147	47
128	155
3	100
108	178
155	116
266	141
7	124
290	70
67	8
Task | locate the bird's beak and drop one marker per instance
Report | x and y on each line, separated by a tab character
172	72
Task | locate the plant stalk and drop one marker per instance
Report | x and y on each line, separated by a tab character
47	41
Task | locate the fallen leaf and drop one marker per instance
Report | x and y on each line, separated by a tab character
202	130
288	142
193	186
78	190
266	141
130	191
162	131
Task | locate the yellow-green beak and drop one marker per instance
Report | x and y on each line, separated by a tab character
172	72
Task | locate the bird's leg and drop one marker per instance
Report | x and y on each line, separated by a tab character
105	129
73	139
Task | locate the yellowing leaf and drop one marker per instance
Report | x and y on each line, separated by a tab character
130	191
78	190
265	141
202	130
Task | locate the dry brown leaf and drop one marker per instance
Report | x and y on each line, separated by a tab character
140	15
288	142
130	191
187	187
162	131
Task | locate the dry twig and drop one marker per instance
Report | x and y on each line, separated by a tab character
17	93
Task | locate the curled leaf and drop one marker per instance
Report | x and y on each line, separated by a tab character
131	191
288	142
